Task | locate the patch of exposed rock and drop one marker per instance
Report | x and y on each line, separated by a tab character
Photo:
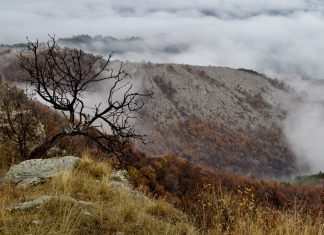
32	172
236	98
42	200
35	171
119	180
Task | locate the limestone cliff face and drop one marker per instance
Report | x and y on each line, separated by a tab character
222	117
232	97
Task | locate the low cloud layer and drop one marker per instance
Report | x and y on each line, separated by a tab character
279	38
274	37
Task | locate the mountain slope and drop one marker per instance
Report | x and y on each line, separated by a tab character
221	117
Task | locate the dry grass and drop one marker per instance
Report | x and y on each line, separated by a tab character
118	210
113	210
217	212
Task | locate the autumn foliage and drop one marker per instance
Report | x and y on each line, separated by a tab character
200	191
262	152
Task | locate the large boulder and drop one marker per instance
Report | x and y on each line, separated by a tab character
35	171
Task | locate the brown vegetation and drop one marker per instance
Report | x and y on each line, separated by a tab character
260	151
217	200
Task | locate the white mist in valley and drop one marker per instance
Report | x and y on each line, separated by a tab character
304	125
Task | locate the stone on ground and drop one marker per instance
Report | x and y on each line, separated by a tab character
35	171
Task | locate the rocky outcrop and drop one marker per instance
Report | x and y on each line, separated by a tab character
32	172
119	180
35	171
235	98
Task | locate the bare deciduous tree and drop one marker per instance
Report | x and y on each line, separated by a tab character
64	78
19	120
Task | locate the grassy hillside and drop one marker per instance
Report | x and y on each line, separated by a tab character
112	211
215	210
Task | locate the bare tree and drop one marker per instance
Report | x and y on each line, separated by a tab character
63	78
19	120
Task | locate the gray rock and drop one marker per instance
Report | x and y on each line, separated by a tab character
32	172
40	201
37	222
86	213
120	176
119	180
119	233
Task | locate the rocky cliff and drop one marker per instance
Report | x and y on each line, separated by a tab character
221	117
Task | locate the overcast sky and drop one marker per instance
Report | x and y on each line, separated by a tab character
271	36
